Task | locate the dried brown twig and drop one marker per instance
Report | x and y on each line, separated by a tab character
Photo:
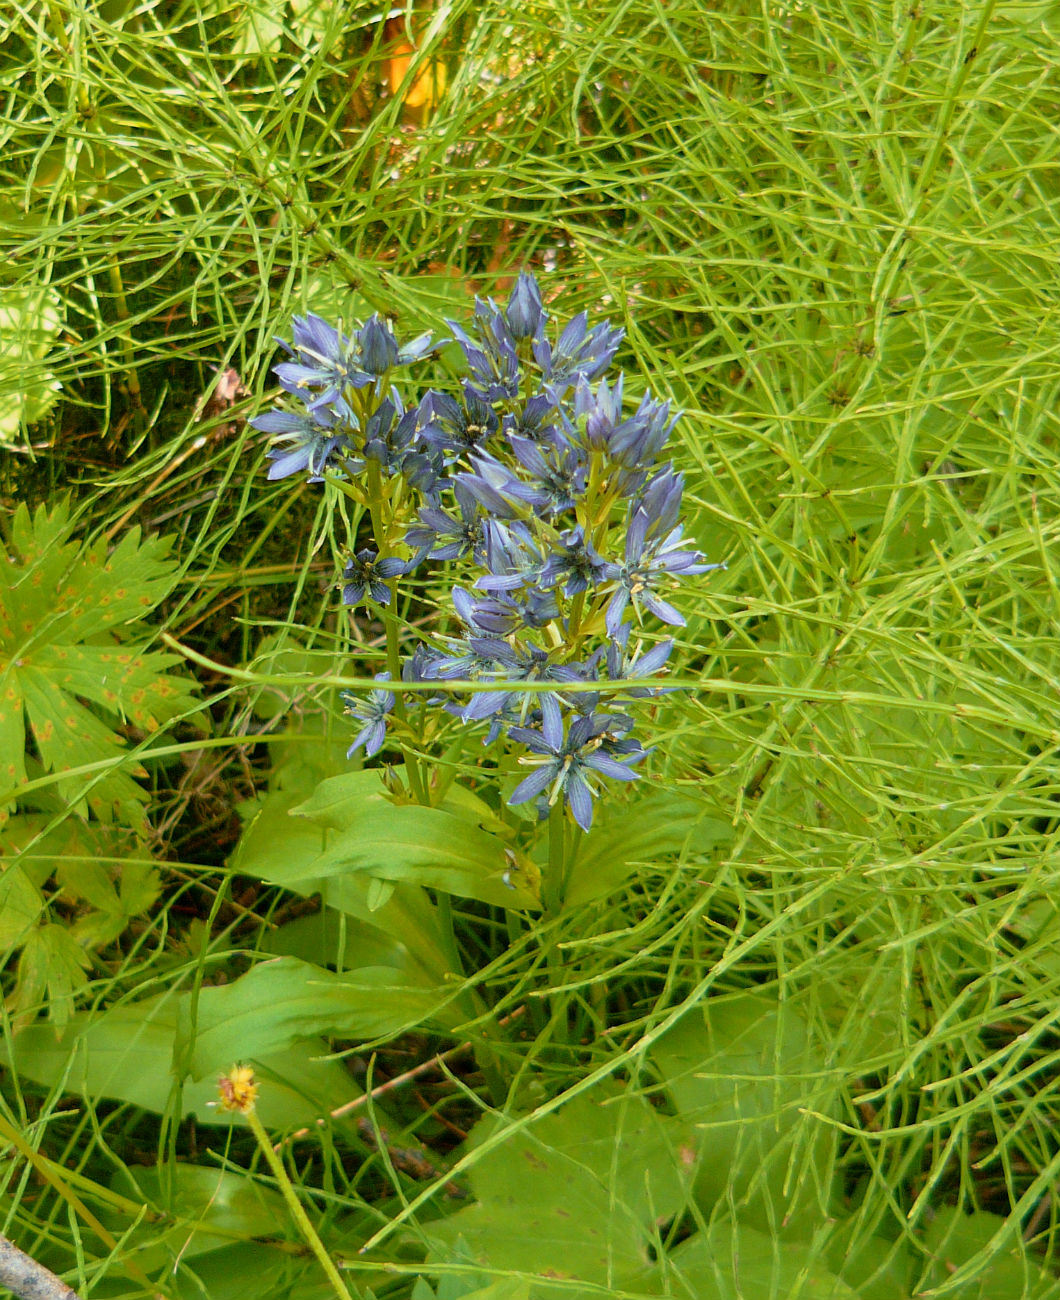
395	1082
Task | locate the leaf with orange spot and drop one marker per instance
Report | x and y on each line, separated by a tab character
70	695
50	973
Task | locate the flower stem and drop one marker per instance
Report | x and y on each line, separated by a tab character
381	530
125	341
557	831
305	1226
393	663
575	620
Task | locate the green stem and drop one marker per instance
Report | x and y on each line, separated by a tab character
575	621
380	526
377	501
569	859
474	1004
348	489
125	342
393	662
74	57
305	1227
556	883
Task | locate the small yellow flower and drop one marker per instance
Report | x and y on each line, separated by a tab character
237	1089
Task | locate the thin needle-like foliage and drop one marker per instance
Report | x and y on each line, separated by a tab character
830	234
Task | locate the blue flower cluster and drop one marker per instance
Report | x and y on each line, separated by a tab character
556	503
326	371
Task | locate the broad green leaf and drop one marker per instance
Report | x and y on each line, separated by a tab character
453	1288
89	880
380	892
122	889
408	915
876	1268
42	541
966	1253
505	1289
728	1263
282	1001
139	886
124	1053
462	802
248	1269
74	591
67	735
576	1195
206	1207
97	929
408	843
40	845
132	685
260	1270
330	938
93	864
651	828
276	847
338	803
467	1282
259	29
12	735
740	1070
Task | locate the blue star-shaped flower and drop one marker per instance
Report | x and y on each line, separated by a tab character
325	364
310	441
566	761
442	536
574	562
372	709
579	351
366	572
649	562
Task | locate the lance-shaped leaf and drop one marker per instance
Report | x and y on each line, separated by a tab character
124	1052
440	848
283	1001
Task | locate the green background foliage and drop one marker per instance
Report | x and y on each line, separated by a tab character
830	234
